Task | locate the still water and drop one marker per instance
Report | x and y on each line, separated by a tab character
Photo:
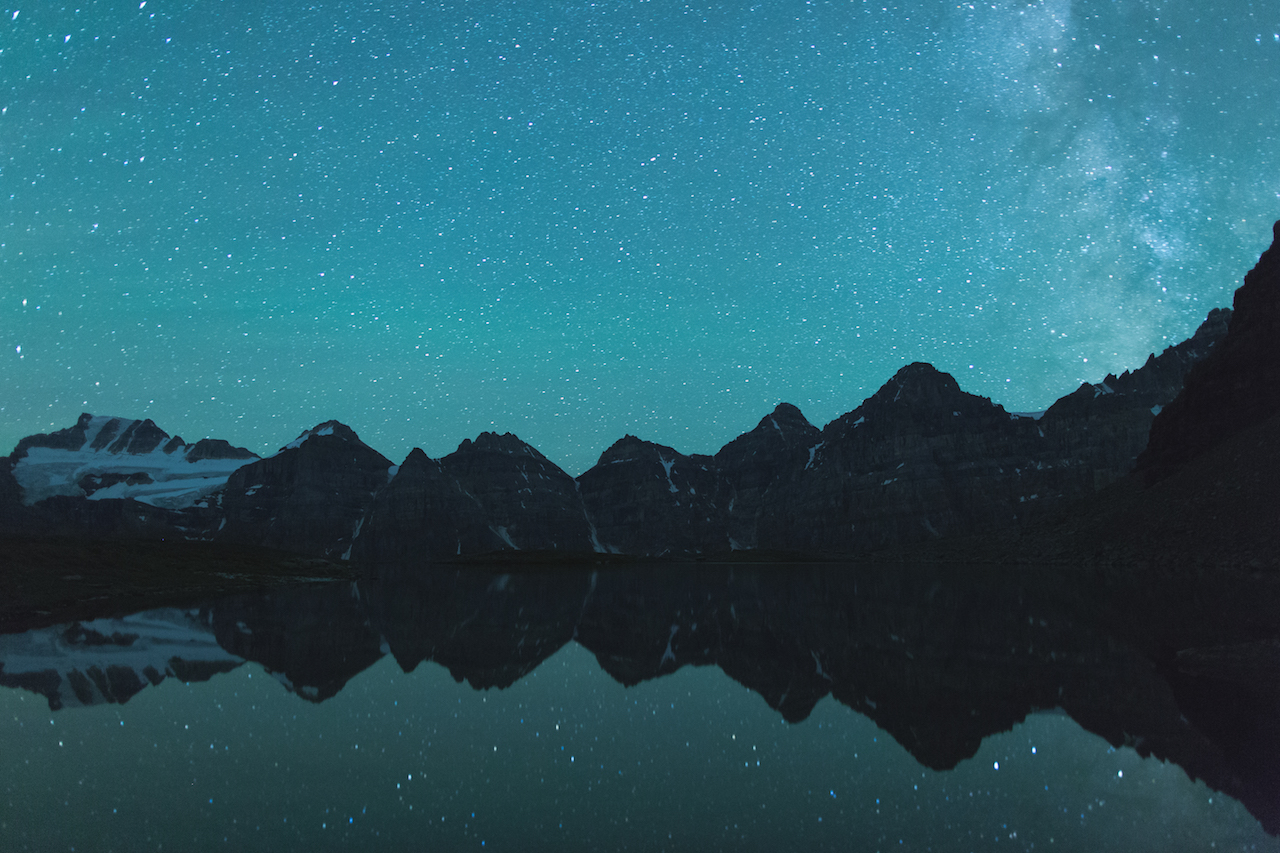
575	712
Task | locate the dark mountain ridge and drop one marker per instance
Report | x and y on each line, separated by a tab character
1237	388
919	460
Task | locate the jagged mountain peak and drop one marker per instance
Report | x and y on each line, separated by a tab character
102	456
134	438
502	459
330	437
100	433
116	436
786	417
213	448
71	438
1215	325
788	411
416	465
920	384
919	457
1256	300
785	427
308	497
629	447
334	428
918	390
492	442
1153	385
416	459
1235	387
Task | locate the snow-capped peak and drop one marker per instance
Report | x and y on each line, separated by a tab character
108	457
336	428
324	429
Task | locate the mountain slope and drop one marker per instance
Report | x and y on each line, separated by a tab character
1238	386
307	498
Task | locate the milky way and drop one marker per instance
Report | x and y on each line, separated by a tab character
574	221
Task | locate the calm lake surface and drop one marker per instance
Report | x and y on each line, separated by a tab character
668	710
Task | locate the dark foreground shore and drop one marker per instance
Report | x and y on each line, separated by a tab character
49	581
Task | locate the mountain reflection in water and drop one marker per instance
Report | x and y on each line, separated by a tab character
604	736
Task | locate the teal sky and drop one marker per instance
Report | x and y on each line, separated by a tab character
573	221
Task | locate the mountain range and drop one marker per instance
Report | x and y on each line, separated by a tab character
919	460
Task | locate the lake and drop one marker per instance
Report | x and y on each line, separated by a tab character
669	707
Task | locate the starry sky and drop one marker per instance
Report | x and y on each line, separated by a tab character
578	220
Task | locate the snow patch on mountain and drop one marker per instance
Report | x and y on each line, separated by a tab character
325	429
170	474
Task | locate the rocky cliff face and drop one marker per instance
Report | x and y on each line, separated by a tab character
308	498
496	493
13	515
753	466
920	458
527	500
1234	389
423	514
646	498
1101	428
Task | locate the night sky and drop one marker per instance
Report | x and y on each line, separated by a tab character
574	220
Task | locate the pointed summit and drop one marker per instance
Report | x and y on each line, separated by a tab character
786	418
754	462
629	448
647	498
334	428
783	429
504	459
918	394
920	384
309	497
492	442
528	502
